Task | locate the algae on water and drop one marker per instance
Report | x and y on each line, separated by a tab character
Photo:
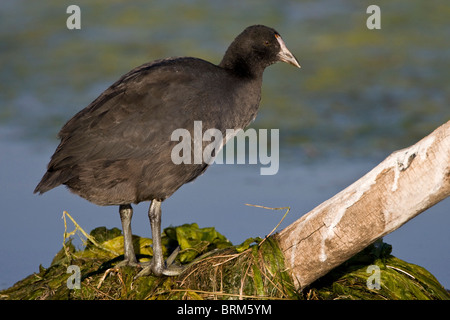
215	269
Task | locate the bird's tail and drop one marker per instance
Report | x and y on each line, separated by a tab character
50	180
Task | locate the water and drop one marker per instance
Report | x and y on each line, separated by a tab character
359	96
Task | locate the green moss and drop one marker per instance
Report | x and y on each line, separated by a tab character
217	270
399	280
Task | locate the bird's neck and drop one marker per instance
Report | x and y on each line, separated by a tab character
242	66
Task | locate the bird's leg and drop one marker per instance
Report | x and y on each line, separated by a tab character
157	266
154	214
126	213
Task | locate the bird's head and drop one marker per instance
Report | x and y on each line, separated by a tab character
256	48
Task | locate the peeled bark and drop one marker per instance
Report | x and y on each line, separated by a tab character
405	184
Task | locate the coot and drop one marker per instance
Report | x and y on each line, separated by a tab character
117	150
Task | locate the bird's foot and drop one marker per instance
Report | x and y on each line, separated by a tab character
171	271
128	263
167	268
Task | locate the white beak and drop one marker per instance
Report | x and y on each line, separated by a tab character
285	55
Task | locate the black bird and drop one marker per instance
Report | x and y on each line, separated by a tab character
117	150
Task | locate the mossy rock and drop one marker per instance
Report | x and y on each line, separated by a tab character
215	269
398	280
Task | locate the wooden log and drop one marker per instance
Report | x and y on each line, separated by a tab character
405	184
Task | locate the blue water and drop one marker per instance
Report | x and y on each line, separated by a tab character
359	96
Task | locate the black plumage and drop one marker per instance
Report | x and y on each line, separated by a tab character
117	151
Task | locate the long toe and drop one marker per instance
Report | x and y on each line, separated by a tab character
128	263
172	256
173	270
146	271
170	270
